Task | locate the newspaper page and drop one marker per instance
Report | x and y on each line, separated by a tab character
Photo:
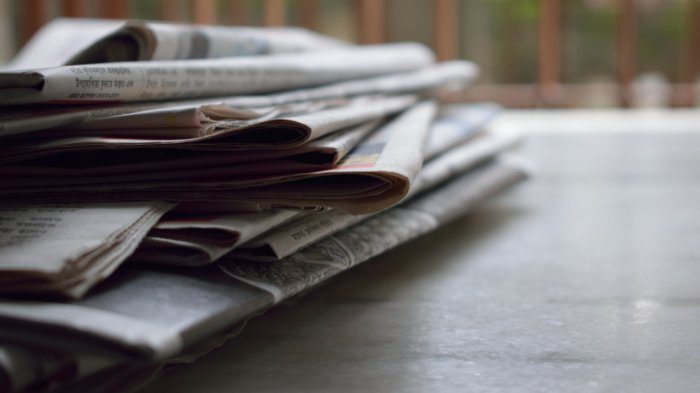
153	314
362	241
373	176
57	41
64	250
278	132
457	124
202	239
177	79
147	314
197	114
142	40
300	233
322	153
65	41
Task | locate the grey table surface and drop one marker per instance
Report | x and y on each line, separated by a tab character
584	279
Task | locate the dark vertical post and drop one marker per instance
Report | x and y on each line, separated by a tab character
626	49
549	53
171	10
372	21
74	8
34	13
204	12
274	13
690	57
308	14
446	29
239	11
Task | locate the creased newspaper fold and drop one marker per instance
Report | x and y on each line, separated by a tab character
87	41
302	232
456	126
373	176
321	153
276	133
177	79
64	250
358	243
202	239
153	314
194	115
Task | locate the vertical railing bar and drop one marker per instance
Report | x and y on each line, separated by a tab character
171	10
239	12
445	29
626	49
549	50
204	12
34	14
372	21
74	8
309	14
114	9
274	13
689	67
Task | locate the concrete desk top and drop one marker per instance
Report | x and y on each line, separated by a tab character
584	279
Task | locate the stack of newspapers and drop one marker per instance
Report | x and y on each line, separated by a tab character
163	183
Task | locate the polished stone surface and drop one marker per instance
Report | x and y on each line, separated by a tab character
584	279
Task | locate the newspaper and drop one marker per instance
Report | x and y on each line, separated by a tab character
198	114
456	126
64	250
373	176
376	235
65	41
322	153
154	314
301	233
178	79
141	40
198	239
202	239
281	131
57	41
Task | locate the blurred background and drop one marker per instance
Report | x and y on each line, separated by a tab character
532	53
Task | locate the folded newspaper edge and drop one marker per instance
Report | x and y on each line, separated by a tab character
177	79
154	314
450	75
298	234
270	136
64	250
455	142
88	41
374	176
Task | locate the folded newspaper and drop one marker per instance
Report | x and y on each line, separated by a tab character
457	141
66	249
177	79
66	41
371	177
197	116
